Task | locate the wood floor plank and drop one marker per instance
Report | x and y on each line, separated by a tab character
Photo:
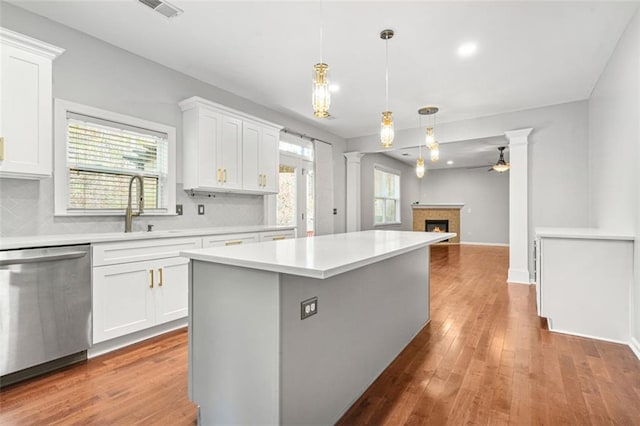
485	358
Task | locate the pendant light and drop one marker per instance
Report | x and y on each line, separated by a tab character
430	135
386	126
420	163
321	96
501	166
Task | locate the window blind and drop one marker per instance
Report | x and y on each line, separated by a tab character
387	196
102	156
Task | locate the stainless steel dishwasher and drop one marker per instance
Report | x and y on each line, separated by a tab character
45	310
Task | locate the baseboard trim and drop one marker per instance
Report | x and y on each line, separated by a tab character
122	341
472	243
635	347
587	336
519	276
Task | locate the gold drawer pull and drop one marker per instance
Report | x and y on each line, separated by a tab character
161	279
279	237
1	149
151	278
265	180
233	243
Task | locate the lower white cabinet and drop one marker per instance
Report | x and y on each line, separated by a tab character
134	296
229	239
277	235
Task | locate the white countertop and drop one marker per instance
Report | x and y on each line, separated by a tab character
320	257
582	233
68	239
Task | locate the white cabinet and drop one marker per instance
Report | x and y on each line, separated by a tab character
277	235
148	287
229	239
260	158
228	151
25	106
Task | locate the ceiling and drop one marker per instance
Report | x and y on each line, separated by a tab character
529	54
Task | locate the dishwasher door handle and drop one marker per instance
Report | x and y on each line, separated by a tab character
42	258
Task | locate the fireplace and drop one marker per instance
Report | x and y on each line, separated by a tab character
436	225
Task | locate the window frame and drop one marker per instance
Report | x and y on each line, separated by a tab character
398	173
61	169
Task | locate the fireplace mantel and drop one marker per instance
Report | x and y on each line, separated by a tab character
438	206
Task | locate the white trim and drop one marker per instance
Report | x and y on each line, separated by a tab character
21	41
471	243
587	336
635	347
196	101
129	339
384	168
518	276
61	172
438	206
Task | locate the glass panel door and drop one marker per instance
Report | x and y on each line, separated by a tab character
295	201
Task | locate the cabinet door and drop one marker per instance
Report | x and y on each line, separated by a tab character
269	159
251	138
123	299
25	114
230	153
208	145
229	240
172	291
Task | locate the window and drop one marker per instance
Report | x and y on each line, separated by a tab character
97	154
386	196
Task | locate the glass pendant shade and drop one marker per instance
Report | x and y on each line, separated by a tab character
420	167
430	137
321	96
386	129
501	167
435	152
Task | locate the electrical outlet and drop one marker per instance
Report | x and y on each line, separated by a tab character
308	307
179	209
200	209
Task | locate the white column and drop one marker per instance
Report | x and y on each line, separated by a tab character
518	207
353	190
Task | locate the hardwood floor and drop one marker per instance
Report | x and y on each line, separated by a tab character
485	358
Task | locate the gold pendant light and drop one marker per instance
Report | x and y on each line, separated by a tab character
321	96
386	126
430	135
420	163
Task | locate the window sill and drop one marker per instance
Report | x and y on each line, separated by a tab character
111	214
376	225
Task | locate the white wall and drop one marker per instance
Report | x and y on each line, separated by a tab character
485	215
614	149
409	191
558	158
96	73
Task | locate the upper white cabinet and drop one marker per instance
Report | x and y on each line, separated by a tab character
227	150
25	106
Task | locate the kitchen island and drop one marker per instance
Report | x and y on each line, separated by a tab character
254	360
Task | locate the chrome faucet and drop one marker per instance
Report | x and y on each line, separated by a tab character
129	214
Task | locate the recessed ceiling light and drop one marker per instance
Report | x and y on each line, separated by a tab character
334	88
450	162
466	50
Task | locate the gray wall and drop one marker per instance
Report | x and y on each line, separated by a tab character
98	74
614	150
485	215
558	158
409	191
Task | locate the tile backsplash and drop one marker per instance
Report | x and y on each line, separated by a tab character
26	208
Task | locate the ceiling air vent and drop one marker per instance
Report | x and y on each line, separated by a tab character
162	7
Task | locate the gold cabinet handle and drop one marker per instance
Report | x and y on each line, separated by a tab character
224	171
233	243
161	279
279	237
1	149
259	180
150	278
218	174
265	180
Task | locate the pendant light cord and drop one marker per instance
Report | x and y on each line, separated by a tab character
321	31
386	44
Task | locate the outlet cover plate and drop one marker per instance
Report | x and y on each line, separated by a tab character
200	209
308	307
